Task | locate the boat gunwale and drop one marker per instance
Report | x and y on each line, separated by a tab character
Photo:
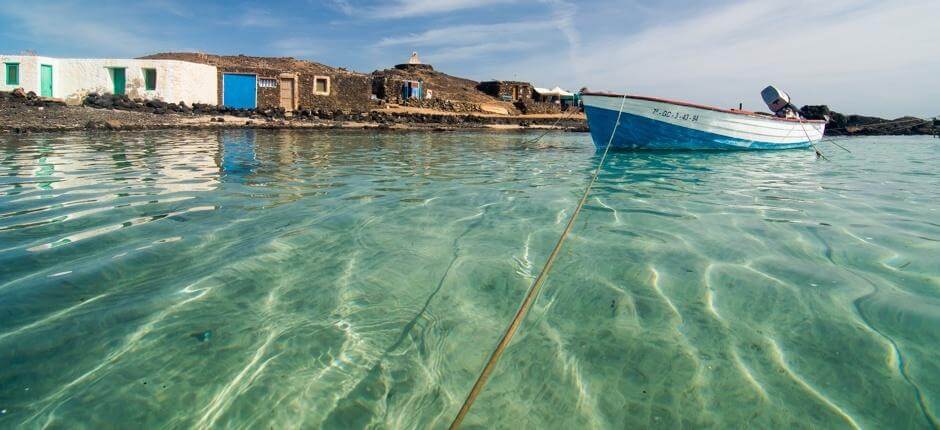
706	107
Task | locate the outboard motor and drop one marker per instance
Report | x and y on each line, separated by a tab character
779	102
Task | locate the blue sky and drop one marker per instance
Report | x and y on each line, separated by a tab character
858	56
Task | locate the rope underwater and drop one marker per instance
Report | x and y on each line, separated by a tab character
550	128
532	294
836	144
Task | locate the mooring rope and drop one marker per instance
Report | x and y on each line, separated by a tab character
532	294
550	128
832	141
808	139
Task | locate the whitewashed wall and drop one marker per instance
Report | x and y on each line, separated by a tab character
72	79
29	71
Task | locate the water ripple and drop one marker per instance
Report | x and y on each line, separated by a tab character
356	279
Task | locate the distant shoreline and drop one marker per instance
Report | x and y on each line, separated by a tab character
117	125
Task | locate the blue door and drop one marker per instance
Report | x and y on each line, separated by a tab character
238	91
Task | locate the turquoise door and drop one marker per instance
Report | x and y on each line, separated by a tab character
239	90
45	81
119	77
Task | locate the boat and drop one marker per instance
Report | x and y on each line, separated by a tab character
654	123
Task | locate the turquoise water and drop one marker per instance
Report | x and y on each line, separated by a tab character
335	280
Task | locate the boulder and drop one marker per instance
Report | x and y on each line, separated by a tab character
156	104
105	102
819	112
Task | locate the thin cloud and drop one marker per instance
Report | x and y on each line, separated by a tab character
259	18
564	14
477	51
68	22
462	35
300	47
415	8
172	7
341	5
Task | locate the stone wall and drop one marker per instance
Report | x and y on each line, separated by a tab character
530	107
444	105
414	67
388	88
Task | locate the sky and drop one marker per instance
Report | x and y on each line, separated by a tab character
857	56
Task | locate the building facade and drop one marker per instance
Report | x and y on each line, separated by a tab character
407	81
71	79
282	82
510	91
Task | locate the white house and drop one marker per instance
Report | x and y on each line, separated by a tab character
71	79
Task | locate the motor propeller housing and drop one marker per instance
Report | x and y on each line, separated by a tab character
779	102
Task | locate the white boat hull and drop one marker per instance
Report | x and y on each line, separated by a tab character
648	123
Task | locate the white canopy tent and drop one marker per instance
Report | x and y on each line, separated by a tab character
554	92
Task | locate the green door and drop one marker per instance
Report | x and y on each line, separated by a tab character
45	85
120	81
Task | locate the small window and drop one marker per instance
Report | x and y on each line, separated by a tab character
150	79
321	85
13	73
267	83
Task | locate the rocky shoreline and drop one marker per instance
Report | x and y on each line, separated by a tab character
22	112
25	113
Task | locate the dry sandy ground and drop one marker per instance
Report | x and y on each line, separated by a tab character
415	110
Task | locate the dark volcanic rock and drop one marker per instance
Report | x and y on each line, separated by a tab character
852	125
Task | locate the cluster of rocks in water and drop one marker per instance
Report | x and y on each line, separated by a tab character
859	125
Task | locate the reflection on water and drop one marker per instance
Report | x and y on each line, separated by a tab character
238	154
245	279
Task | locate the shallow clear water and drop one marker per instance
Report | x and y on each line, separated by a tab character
246	279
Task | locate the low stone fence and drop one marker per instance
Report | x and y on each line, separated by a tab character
444	105
530	107
125	103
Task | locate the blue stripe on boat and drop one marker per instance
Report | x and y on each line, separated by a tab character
637	132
